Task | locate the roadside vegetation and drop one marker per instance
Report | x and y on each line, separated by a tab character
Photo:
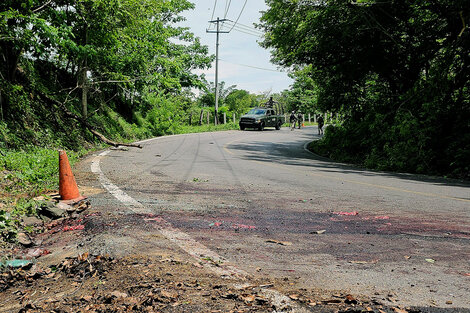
398	72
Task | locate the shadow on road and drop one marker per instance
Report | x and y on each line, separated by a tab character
293	153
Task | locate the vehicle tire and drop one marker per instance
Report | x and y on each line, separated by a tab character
278	126
242	127
261	127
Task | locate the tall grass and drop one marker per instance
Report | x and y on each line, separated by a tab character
30	171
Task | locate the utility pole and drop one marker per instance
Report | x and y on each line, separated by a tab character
218	21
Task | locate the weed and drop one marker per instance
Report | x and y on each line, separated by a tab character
10	220
31	171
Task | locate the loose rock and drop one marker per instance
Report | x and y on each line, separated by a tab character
53	211
31	221
24	239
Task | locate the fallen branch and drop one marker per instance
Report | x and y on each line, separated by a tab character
42	6
464	26
85	123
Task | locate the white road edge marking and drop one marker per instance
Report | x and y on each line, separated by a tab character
207	257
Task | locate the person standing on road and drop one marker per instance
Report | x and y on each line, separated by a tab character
320	122
299	119
292	120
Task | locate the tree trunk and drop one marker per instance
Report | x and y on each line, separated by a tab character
84	91
84	81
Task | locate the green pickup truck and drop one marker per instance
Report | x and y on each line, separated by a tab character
260	118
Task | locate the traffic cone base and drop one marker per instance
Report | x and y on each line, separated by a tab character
68	188
74	201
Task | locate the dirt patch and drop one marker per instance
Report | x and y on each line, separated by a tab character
136	283
104	284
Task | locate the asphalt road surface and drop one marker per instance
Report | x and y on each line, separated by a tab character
271	208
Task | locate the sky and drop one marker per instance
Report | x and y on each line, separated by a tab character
239	52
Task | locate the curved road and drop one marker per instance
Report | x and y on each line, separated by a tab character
273	209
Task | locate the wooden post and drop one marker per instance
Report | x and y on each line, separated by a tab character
201	116
225	118
309	118
208	115
314	118
233	118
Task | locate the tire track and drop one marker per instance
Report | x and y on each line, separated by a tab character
130	178
195	249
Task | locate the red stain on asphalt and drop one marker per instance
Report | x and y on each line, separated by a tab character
382	217
346	213
76	227
243	226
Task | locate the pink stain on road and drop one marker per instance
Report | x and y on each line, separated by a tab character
237	226
347	213
77	227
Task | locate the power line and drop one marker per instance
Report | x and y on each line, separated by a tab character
250	66
243	27
239	28
243	8
213	10
227	7
247	32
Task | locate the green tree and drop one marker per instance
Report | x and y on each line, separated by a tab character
397	70
94	55
207	98
239	101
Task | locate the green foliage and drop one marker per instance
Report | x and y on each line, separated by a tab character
10	221
8	225
302	95
32	171
128	50
399	73
240	101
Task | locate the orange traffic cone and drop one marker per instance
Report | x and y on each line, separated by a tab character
303	125
68	188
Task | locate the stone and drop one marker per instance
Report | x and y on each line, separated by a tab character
23	239
83	205
118	294
31	221
65	207
53	211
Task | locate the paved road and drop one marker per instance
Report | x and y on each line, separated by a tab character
273	209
